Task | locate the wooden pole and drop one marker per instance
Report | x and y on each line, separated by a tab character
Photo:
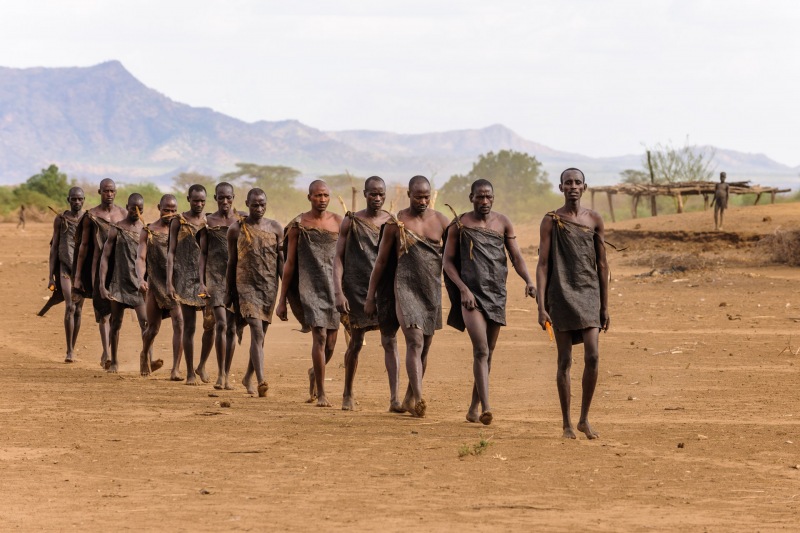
772	197
355	197
758	197
611	206
705	202
679	198
591	191
634	205
653	208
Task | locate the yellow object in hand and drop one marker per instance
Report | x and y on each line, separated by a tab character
549	327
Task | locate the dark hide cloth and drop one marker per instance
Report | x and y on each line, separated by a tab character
311	293
216	265
384	296
482	265
360	252
572	298
256	273
66	249
186	265
124	285
89	274
157	246
418	281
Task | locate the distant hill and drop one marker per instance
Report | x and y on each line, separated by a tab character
101	121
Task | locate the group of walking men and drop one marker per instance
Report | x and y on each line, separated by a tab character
371	270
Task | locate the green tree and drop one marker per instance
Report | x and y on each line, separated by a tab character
674	165
634	176
520	183
275	179
184	180
49	182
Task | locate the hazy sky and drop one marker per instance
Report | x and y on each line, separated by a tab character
598	78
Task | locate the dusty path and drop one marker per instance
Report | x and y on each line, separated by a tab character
83	449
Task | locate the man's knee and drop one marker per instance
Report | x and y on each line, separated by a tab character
480	352
564	362
220	327
415	342
591	358
116	322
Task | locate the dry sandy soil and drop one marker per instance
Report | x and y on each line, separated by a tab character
697	406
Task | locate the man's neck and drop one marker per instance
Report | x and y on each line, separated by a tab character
572	207
316	214
480	217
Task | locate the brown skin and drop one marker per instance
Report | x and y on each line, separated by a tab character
323	341
573	187
482	333
431	225
195	216
73	310
721	191
224	330
257	206
375	195
167	209
131	223
112	213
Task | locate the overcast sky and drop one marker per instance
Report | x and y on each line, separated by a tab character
597	78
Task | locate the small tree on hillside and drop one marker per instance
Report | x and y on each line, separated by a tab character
184	180
517	177
50	183
674	165
634	176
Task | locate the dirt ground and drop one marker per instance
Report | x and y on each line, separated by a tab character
697	407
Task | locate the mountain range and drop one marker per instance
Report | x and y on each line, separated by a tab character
101	121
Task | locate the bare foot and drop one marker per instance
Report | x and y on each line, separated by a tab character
486	418
204	377
408	405
472	414
175	376
263	387
191	379
395	407
155	365
312	386
104	360
69	358
348	404
227	383
107	364
322	401
248	384
219	383
587	430
112	368
569	433
420	408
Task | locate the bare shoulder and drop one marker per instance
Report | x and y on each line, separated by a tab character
443	220
337	217
276	227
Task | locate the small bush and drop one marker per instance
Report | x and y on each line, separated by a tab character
783	246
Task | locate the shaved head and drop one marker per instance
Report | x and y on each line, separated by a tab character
167	198
74	191
107	181
573	169
135	198
374	179
417	181
316	184
256	192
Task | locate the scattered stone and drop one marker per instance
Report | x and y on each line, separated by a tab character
680	445
212	395
205	492
723	304
225	403
702	437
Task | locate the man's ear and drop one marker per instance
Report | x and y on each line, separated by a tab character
585	187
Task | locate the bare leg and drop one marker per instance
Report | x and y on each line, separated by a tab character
323	344
141	316
105	334
189	324
206	345
258	330
591	338
153	316
417	346
69	316
564	345
350	367
483	335
230	346
392	361
177	342
717	221
115	325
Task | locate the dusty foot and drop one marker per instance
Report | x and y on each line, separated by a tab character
69	358
569	433
322	401
312	386
248	384
263	387
204	377
112	368
175	376
227	384
486	418
104	361
191	379
587	430
395	407
155	365
420	408
472	414
220	381
348	403
408	405
107	364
